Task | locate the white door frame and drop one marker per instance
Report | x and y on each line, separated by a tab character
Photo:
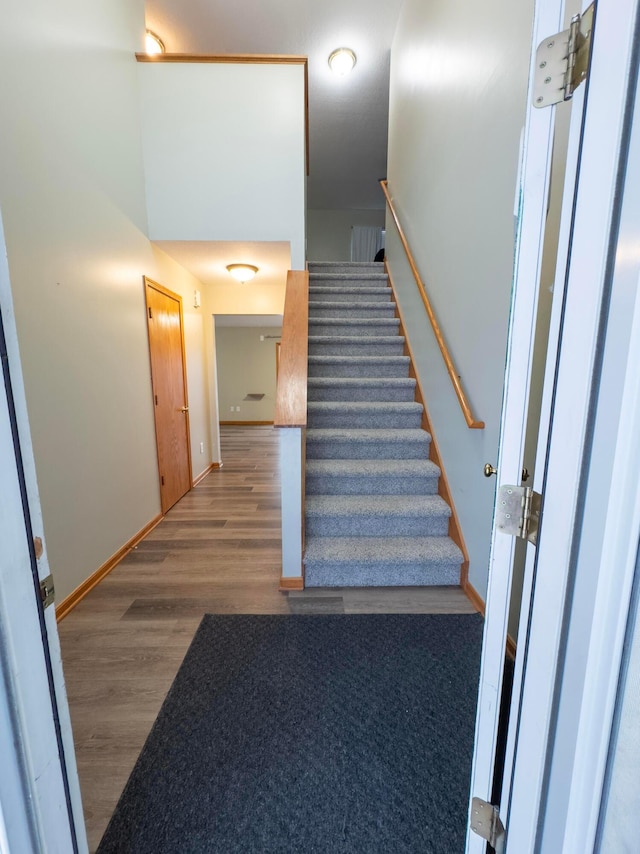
594	446
541	643
532	197
39	783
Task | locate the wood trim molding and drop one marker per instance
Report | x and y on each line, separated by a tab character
291	394
473	596
249	59
288	583
230	58
68	604
246	423
204	473
444	490
472	422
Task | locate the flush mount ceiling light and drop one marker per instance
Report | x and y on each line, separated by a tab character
153	44
342	61
242	272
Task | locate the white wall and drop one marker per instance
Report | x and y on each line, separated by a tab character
246	365
458	88
72	198
224	152
329	232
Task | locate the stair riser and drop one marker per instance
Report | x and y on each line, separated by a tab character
346	268
346	282
324	484
381	394
356	348
355	370
346	295
330	525
364	420
425	573
376	326
367	450
351	309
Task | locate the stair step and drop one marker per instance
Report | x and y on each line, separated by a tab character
367	414
358	366
318	293
376	516
349	388
371	477
353	309
356	345
343	444
354	326
339	269
376	562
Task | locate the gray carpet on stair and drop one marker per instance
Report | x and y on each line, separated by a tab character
373	515
358	366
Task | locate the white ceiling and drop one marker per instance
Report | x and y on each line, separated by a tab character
347	116
207	259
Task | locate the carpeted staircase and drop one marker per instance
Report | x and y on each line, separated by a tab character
373	516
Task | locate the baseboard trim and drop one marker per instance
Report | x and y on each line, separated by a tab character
478	603
204	473
473	596
68	604
296	583
246	423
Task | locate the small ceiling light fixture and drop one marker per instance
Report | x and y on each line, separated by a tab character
153	44
242	272
342	61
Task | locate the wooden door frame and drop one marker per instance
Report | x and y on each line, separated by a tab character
151	283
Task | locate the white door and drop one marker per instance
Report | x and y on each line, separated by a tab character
588	211
40	808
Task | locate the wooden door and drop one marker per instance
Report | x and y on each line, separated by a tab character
169	386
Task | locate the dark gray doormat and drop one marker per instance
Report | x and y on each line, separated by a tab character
327	733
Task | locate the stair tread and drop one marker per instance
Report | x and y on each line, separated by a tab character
378	304
370	360
363	406
356	339
361	434
356	382
381	549
358	468
377	505
356	321
329	289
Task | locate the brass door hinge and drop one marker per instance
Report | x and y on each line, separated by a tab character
562	61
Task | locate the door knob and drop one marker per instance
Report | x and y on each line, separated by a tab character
489	470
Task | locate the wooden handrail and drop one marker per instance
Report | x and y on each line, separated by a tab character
248	59
472	422
291	393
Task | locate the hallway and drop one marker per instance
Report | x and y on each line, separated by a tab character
216	551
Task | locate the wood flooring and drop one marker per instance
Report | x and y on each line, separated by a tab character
216	551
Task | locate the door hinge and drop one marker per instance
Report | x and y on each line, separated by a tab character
562	61
47	591
518	512
485	821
